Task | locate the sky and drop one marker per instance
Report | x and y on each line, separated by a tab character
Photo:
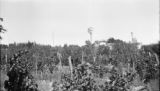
59	22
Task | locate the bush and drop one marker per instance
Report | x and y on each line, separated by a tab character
19	77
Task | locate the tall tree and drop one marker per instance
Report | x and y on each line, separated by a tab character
2	30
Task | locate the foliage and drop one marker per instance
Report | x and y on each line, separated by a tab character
19	77
147	66
84	80
153	48
2	30
141	62
112	40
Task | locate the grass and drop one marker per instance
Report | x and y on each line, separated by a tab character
44	85
155	85
45	80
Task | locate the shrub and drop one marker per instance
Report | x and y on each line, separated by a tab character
19	77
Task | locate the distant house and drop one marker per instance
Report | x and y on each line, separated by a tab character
110	45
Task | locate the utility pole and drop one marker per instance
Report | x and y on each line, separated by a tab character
53	38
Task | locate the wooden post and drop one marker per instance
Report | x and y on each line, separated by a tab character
59	65
94	58
6	60
71	67
82	58
36	63
41	75
36	66
60	62
134	70
156	58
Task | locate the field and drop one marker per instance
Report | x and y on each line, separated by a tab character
46	85
43	68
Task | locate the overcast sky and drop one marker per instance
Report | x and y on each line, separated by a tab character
58	22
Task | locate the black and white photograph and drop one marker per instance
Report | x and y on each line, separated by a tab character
79	45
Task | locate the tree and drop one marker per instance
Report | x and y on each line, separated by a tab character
146	66
113	40
19	77
2	30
